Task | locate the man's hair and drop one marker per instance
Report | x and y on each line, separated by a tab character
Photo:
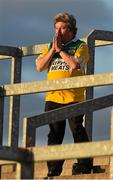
69	19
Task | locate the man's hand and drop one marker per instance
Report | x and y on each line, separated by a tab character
57	41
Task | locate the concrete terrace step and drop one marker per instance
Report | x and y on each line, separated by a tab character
85	176
40	170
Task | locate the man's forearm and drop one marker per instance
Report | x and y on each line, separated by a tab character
70	60
43	62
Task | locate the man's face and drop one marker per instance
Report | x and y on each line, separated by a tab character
63	30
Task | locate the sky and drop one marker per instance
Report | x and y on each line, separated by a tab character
29	22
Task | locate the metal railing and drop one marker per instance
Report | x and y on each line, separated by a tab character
16	88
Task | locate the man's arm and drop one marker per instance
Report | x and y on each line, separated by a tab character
70	60
80	58
43	62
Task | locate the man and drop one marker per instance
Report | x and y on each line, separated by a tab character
65	57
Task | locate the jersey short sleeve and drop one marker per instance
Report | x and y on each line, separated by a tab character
82	54
44	52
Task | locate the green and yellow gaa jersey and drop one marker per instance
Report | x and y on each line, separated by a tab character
59	69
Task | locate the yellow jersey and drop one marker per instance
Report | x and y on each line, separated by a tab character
59	69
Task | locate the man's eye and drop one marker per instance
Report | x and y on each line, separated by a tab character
64	28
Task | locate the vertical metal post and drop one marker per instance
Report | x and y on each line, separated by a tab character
111	158
31	134
24	132
27	170
89	91
14	110
94	35
0	171
1	115
28	134
18	171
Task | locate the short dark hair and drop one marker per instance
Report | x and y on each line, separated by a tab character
67	18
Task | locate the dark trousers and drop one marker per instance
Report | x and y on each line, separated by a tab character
57	131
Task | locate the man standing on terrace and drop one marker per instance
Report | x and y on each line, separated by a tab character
65	57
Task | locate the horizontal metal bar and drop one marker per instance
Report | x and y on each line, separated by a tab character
52	85
71	111
10	51
58	152
102	35
14	154
69	151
